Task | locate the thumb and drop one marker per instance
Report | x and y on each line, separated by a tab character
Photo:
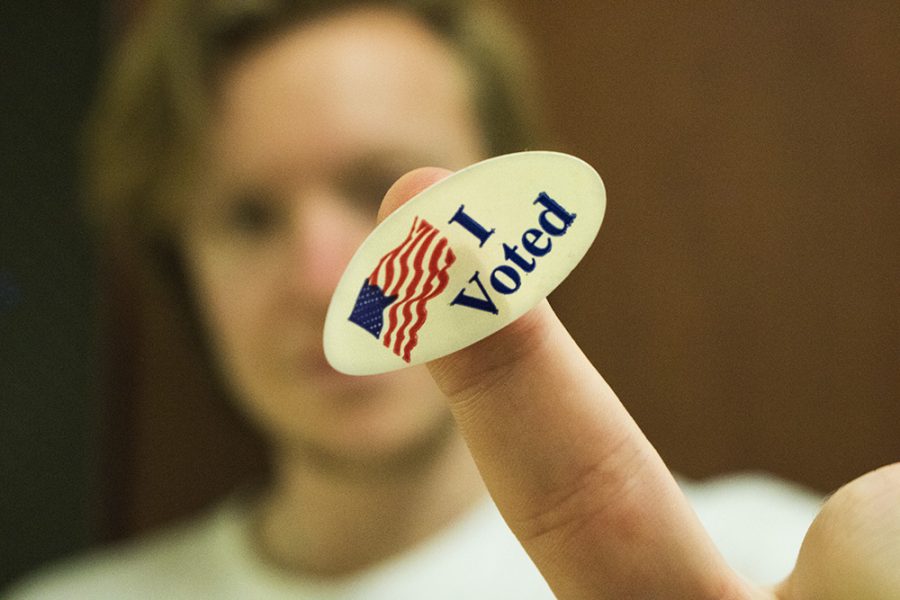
577	482
852	549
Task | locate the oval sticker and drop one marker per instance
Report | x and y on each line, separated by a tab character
462	259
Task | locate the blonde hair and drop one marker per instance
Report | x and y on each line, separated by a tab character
156	98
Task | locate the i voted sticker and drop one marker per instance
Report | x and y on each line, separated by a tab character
462	259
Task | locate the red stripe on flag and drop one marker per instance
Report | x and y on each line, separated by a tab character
408	268
383	279
400	310
429	291
414	305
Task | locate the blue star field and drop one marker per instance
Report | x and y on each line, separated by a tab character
369	308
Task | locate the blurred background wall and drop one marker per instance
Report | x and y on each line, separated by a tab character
741	297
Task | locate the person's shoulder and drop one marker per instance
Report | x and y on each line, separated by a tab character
757	521
155	566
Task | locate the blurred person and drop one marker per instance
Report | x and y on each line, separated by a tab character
244	147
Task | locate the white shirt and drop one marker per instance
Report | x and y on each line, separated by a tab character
757	522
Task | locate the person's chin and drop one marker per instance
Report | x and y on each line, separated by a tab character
377	448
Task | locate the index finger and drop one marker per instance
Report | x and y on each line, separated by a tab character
576	480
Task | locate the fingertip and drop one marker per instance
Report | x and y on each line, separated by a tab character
407	186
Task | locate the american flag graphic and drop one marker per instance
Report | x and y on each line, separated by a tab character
392	299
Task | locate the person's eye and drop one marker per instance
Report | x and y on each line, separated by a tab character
251	215
368	189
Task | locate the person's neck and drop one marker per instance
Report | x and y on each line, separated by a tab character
331	523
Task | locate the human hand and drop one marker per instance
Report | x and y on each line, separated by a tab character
593	503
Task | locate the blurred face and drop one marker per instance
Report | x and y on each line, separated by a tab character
311	129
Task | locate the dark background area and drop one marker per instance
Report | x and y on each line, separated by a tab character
49	408
741	296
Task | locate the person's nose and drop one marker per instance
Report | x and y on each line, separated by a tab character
325	234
